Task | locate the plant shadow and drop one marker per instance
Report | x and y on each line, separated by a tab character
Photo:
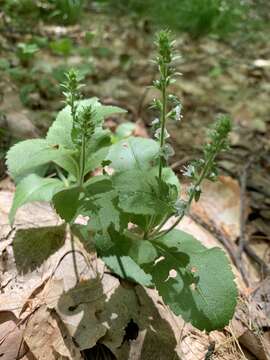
34	245
127	323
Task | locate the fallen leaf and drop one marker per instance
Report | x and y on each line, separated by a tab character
11	339
47	338
219	206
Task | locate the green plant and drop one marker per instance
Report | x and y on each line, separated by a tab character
21	11
26	52
62	47
197	283
202	17
197	17
66	11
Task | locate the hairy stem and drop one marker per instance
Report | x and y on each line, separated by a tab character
82	161
163	117
73	107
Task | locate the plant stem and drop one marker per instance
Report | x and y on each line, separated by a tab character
74	256
160	226
62	176
82	161
149	227
73	107
163	116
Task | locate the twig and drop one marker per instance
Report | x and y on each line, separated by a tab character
252	254
210	350
237	342
4	238
243	187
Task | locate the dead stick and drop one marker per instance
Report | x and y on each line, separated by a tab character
252	254
243	188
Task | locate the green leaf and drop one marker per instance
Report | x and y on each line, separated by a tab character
105	213
126	268
100	204
140	192
34	188
169	177
124	131
66	203
104	111
24	157
197	283
97	149
33	246
133	152
141	251
122	255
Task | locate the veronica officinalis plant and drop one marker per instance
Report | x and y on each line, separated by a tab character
128	207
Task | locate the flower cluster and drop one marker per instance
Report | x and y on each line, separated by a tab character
83	120
169	106
206	168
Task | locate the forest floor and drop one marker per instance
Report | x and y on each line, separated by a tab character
217	77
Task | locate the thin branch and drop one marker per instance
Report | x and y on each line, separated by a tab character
243	203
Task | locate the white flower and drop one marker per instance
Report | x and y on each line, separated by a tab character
178	110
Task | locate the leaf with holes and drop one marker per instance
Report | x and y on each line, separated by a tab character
197	283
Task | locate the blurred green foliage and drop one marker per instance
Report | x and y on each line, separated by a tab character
62	47
66	12
197	17
26	51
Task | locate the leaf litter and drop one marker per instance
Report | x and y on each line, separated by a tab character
53	307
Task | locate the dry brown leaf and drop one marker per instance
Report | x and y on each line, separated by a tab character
17	288
47	338
11	339
219	206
